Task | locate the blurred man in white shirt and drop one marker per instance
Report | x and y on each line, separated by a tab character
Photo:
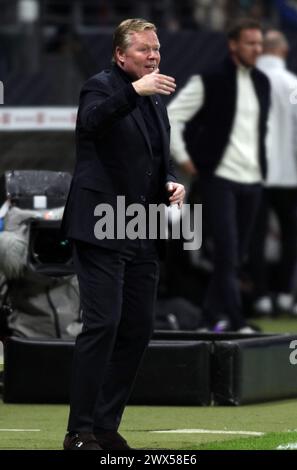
280	194
227	108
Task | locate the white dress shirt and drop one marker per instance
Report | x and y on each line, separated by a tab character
240	160
282	129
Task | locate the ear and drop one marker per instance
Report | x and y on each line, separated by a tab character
232	45
120	55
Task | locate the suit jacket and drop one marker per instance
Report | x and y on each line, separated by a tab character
114	155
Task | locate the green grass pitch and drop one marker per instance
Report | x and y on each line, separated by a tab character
42	427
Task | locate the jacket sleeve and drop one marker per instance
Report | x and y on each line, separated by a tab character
100	107
181	110
171	177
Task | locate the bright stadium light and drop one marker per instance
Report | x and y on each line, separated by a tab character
28	11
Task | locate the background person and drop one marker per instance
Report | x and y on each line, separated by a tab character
280	192
227	108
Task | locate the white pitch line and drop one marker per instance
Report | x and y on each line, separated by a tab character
20	430
289	446
210	431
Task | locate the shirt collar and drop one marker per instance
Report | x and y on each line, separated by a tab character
244	70
271	61
123	74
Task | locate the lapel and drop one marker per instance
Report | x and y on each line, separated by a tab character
136	114
156	103
138	117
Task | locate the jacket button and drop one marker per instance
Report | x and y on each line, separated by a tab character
143	198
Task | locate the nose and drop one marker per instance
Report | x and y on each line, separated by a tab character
153	54
259	49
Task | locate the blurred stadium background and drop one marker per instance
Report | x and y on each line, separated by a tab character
48	48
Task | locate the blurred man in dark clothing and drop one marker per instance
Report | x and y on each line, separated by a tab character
122	138
227	108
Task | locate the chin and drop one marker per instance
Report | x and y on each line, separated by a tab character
253	61
249	63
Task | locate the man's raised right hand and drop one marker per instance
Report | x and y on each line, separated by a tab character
153	83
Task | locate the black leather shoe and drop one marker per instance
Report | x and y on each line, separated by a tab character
111	440
81	441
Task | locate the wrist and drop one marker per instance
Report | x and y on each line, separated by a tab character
137	88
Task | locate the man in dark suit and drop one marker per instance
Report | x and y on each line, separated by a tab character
122	138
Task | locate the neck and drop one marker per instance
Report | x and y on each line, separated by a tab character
240	63
126	74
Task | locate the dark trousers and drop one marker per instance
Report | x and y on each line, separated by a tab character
229	209
118	293
283	203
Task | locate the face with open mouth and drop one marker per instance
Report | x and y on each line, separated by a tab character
142	56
